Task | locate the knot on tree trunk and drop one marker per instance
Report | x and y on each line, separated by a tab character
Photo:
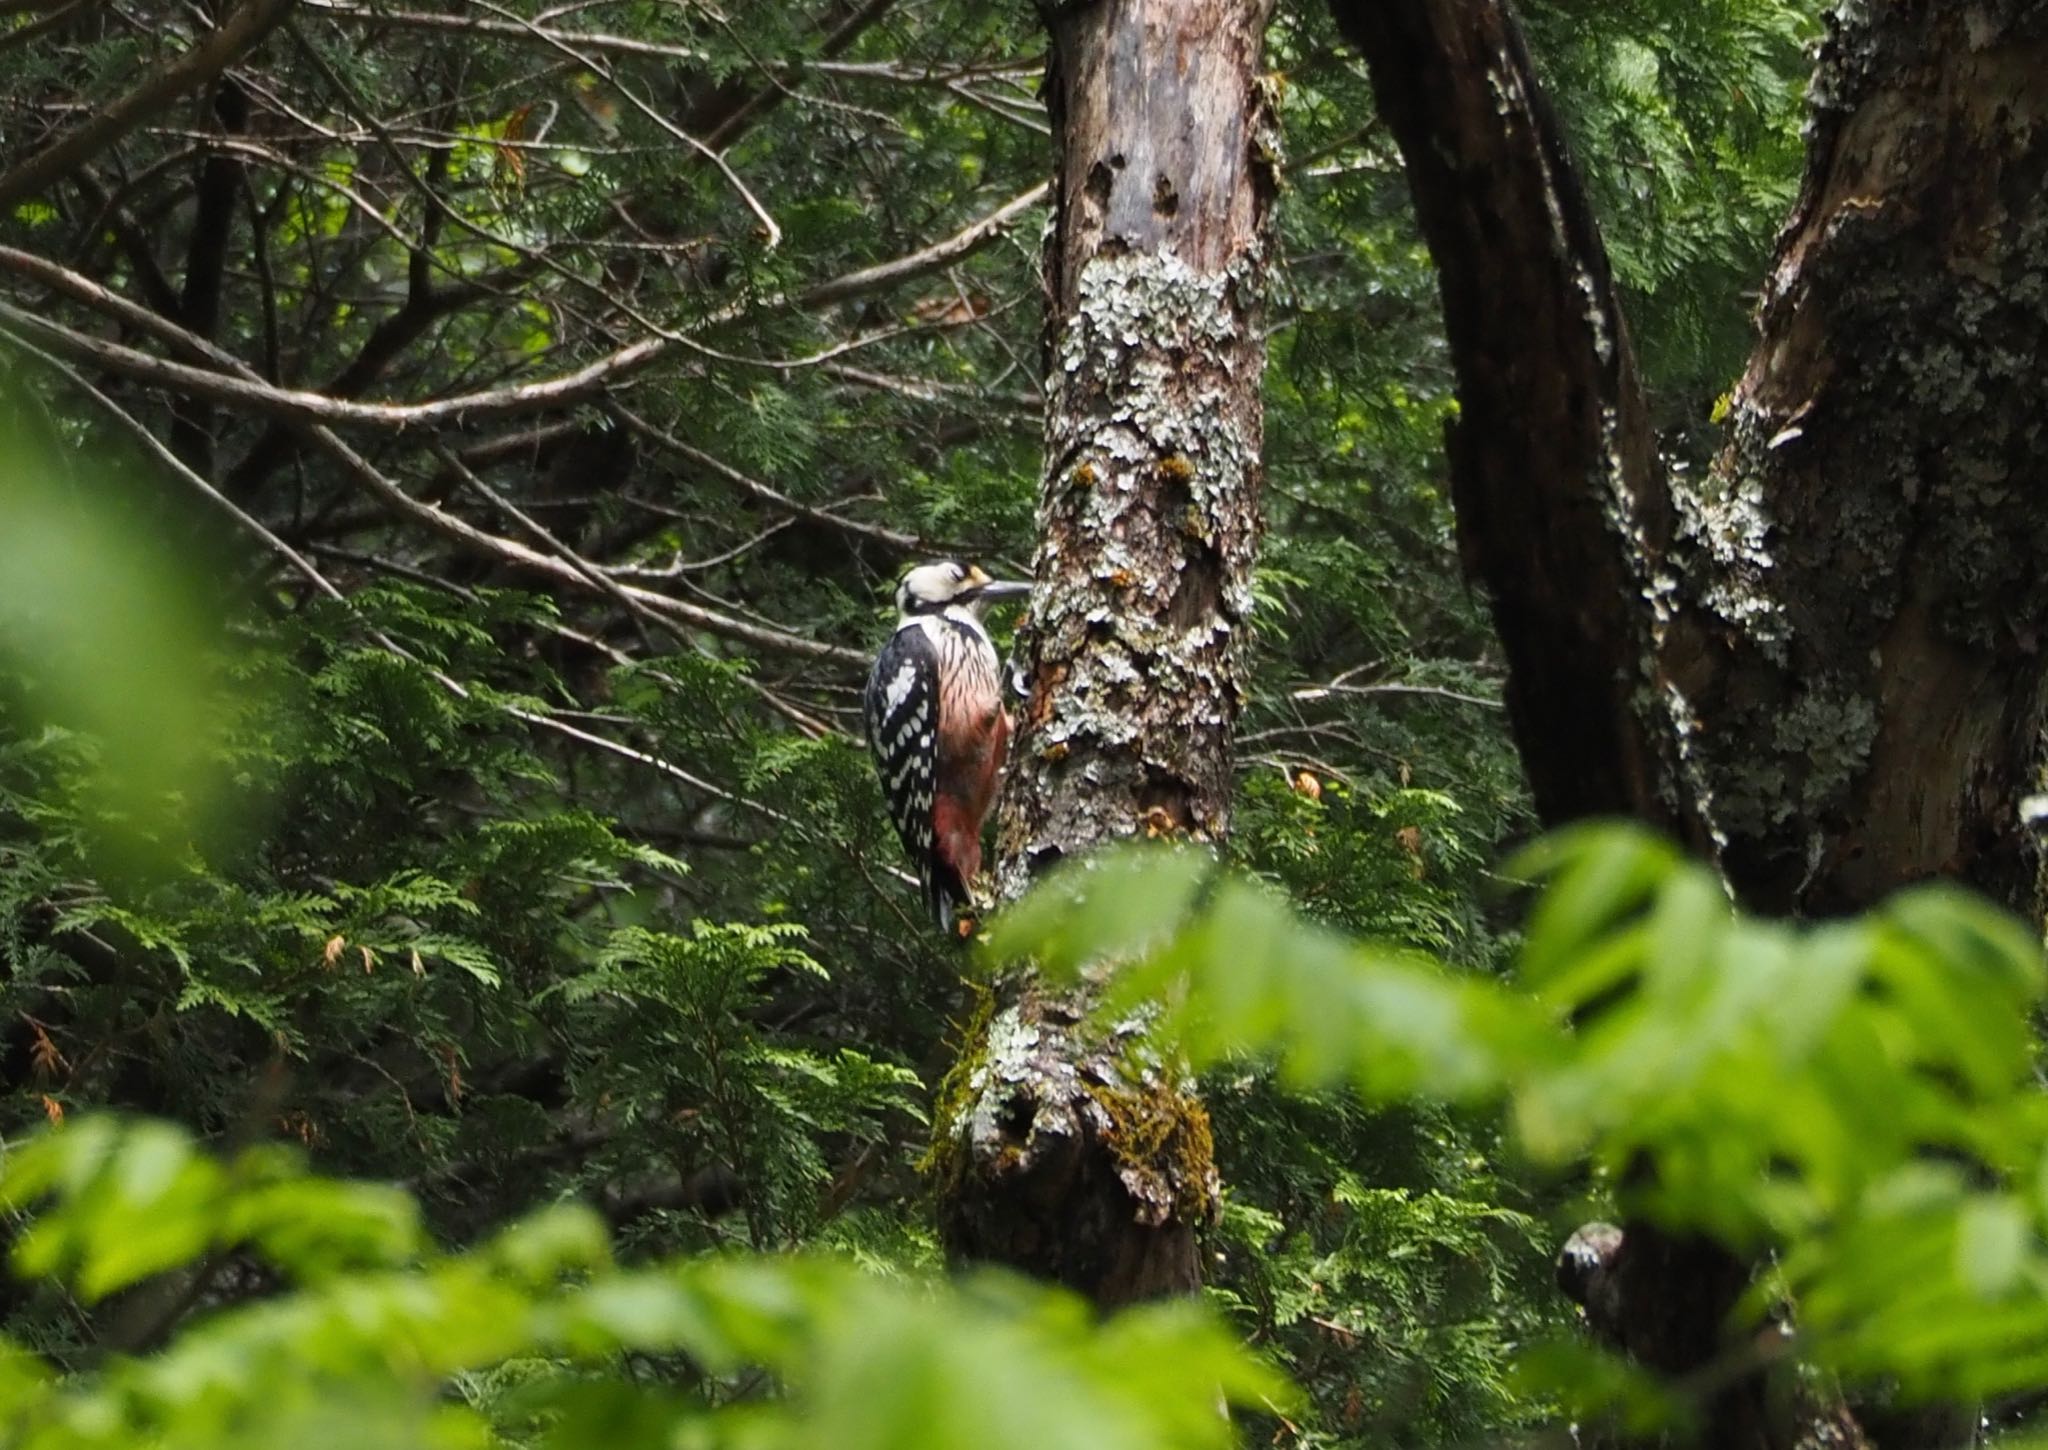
1064	1151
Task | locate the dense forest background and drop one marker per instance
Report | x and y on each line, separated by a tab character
461	456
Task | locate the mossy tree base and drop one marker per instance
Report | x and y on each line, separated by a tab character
1065	1151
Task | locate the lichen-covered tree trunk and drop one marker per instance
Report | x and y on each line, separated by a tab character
1821	664
1060	1155
1864	636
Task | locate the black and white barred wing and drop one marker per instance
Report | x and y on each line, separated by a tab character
902	708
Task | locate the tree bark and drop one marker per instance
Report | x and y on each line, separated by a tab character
1820	665
1062	1150
1865	631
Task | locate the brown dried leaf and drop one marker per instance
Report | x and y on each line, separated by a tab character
1410	838
44	1058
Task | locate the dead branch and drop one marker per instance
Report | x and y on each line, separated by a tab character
235	37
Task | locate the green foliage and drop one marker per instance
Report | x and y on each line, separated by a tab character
1692	111
1857	1097
1404	1295
136	1201
1878	1072
536	1336
674	1010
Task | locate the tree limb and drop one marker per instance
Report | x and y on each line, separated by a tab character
508	551
240	33
1148	519
565	388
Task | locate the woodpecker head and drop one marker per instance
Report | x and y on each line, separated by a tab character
929	588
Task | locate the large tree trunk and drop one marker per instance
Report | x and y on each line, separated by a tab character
1057	1156
1822	664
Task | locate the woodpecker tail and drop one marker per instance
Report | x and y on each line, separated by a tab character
944	891
955	861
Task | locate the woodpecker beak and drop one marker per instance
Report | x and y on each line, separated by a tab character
1004	589
983	588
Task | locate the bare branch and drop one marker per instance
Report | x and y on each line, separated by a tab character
228	43
895	72
940	254
597	67
372	481
59	11
571	387
1323	692
907	543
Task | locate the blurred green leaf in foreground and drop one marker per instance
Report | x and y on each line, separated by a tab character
104	633
535	1336
1853	1101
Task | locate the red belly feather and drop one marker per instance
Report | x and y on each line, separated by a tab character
974	739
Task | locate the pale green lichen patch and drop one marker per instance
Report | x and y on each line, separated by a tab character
944	1156
1726	520
1832	730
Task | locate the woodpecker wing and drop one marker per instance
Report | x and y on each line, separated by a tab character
901	705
